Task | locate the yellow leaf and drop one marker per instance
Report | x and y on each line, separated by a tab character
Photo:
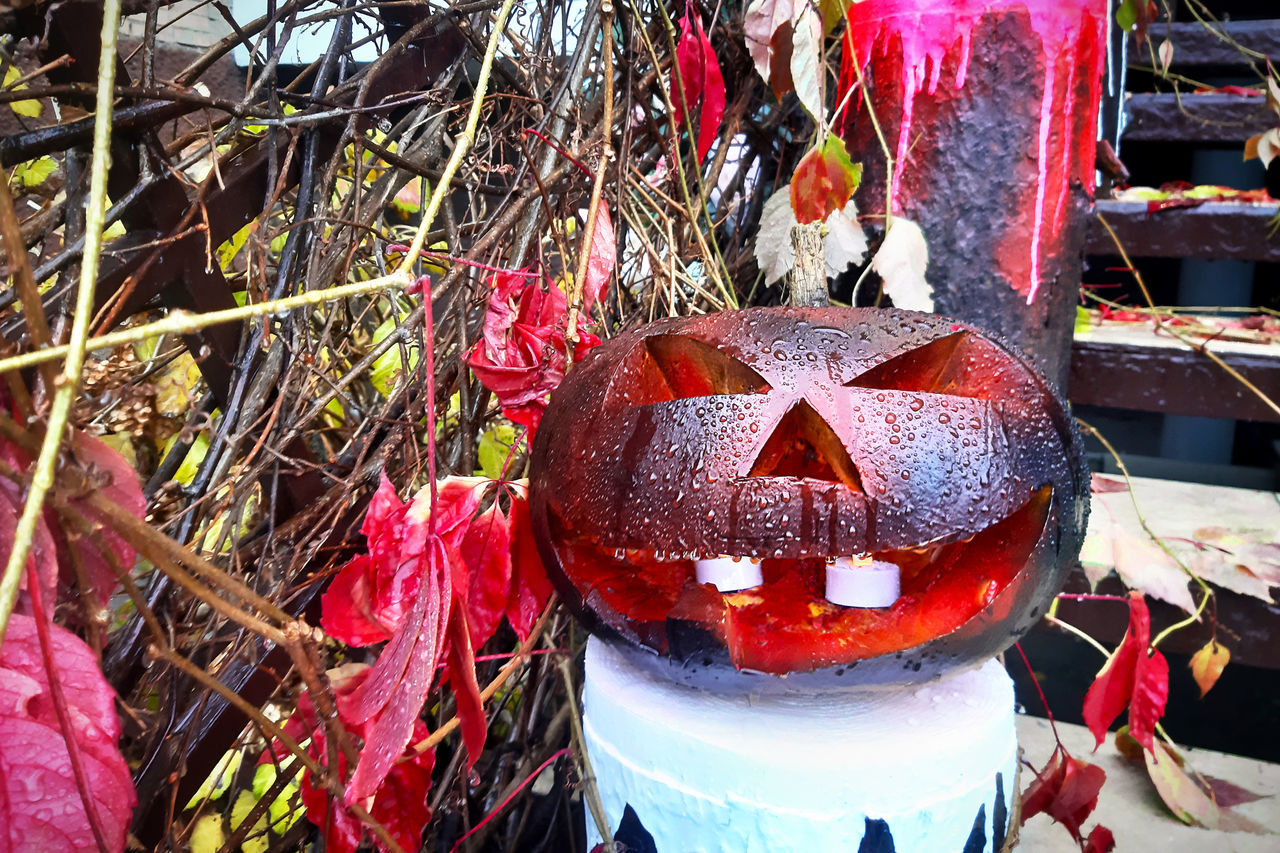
388	367
175	385
191	463
219	780
1207	665
122	443
257	841
286	809
208	834
227	251
29	108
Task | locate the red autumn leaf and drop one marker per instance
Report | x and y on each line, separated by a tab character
461	661
1191	799
456	572
601	261
824	181
482	572
1100	840
44	552
392	696
530	587
1130	679
1066	790
521	356
401	803
1100	485
41	808
118	482
370	596
700	91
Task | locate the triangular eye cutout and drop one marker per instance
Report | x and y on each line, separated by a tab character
691	368
677	367
961	364
804	445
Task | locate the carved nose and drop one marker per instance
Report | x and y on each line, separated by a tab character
804	445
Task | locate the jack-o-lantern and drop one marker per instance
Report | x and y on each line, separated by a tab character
723	488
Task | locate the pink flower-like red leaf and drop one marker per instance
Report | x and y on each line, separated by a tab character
41	809
1131	678
601	260
521	356
700	93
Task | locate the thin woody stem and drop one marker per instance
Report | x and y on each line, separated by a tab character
69	381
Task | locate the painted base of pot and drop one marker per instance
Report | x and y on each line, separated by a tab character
923	769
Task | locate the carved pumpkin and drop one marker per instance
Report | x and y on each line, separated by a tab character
795	436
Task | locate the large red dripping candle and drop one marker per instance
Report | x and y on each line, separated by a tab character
918	55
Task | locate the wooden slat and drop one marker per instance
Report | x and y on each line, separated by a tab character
1211	231
1136	369
1196	46
1212	117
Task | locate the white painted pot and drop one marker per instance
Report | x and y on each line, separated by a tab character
922	769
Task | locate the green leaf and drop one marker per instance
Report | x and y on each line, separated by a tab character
33	173
1083	321
495	447
1127	15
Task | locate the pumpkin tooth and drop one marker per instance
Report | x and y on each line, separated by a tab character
860	581
729	573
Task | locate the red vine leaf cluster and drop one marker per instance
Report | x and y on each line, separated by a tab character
1067	790
440	574
64	784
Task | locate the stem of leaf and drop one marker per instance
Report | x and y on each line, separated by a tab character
1206	590
884	145
1039	691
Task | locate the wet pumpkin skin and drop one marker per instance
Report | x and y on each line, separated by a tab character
794	435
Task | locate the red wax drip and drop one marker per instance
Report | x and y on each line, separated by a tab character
1071	33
